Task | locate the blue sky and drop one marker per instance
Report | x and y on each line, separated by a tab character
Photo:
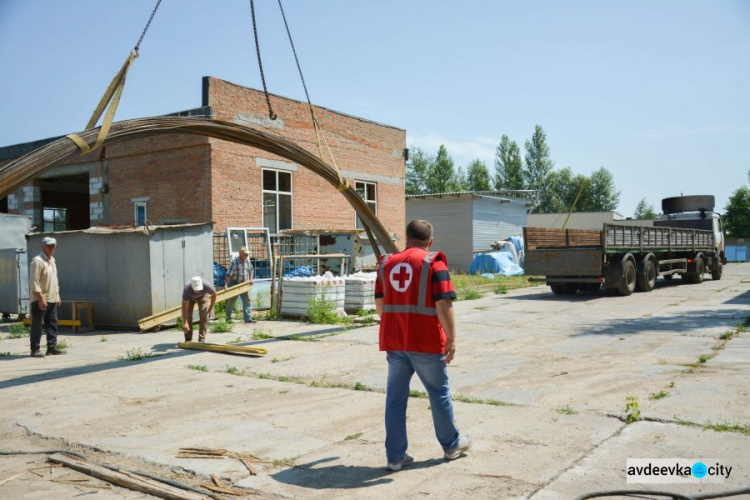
655	91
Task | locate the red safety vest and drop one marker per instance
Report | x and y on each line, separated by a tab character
409	321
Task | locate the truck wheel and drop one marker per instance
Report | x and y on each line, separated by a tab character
570	288
647	280
717	271
557	289
700	269
628	278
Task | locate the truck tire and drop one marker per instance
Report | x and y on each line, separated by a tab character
627	279
557	289
570	288
647	279
700	269
717	271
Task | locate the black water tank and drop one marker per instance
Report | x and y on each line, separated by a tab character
688	204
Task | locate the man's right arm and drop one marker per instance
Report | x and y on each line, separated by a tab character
445	315
36	288
185	320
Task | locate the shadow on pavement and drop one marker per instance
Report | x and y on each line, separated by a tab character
342	476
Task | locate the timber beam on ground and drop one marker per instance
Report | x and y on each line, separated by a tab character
164	316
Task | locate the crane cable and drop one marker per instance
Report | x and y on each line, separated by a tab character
111	97
271	114
343	183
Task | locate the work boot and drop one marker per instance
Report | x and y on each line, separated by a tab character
37	354
55	351
189	337
397	466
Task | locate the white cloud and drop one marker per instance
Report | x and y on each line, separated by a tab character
463	152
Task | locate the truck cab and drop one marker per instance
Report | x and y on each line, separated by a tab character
694	212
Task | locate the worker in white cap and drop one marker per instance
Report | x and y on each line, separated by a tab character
197	291
44	298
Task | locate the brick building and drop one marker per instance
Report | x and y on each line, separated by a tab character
170	179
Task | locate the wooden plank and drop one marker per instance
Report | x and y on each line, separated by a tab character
60	322
164	316
225	348
126	479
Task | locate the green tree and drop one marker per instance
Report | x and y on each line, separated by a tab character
508	165
538	168
441	175
563	187
478	178
603	195
459	183
644	211
416	172
737	214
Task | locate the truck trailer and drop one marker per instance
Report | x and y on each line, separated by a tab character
687	241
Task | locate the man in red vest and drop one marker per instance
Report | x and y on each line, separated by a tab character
414	297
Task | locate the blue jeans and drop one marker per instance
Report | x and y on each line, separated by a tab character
247	310
433	372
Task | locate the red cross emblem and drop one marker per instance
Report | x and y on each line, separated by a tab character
401	276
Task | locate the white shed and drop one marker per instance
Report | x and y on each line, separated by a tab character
468	222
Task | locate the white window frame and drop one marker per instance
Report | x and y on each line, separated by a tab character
136	206
374	201
277	193
54	222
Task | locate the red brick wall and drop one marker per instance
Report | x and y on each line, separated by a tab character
359	146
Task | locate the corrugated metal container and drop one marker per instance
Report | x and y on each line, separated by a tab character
130	273
298	292
465	223
360	292
14	265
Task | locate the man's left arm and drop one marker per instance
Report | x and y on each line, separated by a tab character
211	307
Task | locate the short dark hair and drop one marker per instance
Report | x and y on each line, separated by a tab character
419	230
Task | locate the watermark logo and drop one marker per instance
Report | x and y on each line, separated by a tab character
677	470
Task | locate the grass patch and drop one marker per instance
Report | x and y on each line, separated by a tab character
62	344
726	335
200	368
272	314
361	387
279	360
221	326
353	436
259	334
233	370
719	346
417	394
501	289
705	357
488	284
567	410
18	331
137	354
103	339
300	338
4	354
365	312
671	384
658	395
491	402
468	293
722	427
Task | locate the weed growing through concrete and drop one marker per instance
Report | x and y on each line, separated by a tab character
259	334
236	340
726	335
417	394
359	386
501	289
658	395
221	326
671	384
18	331
705	357
4	354
353	436
491	402
722	427
200	368
567	410
300	338
279	360
272	314
632	411
285	462
481	308
322	311
62	344
365	312
662	361
137	354
103	339
233	370
719	346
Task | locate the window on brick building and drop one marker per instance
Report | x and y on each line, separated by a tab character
277	200
55	219
140	213
368	191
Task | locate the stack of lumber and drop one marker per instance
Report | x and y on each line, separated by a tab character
542	237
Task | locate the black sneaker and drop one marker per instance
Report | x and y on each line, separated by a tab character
37	354
55	351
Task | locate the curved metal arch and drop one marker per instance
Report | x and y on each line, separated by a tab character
24	169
